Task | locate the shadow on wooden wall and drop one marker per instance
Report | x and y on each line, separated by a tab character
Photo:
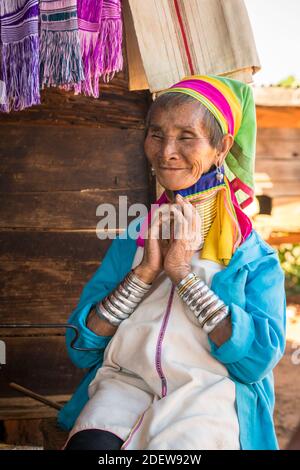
58	162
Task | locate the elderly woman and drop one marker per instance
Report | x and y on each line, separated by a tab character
185	329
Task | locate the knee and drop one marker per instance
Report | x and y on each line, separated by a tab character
94	439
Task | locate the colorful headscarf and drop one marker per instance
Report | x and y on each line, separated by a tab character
232	104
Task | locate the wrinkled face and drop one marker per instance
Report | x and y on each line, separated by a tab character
177	147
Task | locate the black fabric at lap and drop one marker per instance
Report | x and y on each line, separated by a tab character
94	439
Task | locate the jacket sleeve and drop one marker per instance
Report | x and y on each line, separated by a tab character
115	265
257	342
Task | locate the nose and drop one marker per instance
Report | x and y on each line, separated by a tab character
168	148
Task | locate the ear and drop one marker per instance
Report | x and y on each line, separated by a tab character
227	143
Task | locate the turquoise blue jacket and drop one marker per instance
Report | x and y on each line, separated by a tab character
252	285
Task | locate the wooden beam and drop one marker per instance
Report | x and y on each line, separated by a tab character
27	408
278	117
278	144
59	159
41	364
61	210
116	107
286	238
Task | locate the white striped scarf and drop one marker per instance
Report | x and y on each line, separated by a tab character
60	54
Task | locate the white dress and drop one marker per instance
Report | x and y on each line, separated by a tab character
159	387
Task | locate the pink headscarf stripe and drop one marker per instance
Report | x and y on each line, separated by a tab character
213	95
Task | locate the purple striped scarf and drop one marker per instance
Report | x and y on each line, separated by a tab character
19	50
100	31
60	54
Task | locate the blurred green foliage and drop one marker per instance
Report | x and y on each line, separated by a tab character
289	82
289	256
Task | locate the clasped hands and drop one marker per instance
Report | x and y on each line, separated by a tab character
171	240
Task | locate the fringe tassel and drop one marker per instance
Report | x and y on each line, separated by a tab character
102	56
90	58
110	56
10	6
20	73
60	58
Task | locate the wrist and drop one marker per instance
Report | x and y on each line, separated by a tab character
178	274
98	326
222	332
145	274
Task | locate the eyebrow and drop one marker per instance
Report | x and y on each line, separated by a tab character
186	128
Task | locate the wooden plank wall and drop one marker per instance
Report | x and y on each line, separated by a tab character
58	162
278	163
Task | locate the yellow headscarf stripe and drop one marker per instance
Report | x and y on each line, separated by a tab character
225	234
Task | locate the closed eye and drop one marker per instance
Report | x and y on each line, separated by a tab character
156	136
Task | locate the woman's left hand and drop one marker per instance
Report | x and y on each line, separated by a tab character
185	239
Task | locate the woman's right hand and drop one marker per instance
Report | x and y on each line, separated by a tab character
152	262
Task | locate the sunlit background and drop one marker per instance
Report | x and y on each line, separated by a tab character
276	30
275	25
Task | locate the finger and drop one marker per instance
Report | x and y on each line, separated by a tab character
191	213
185	228
165	218
164	209
178	224
154	228
187	208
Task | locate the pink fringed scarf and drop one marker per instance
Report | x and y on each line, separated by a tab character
100	32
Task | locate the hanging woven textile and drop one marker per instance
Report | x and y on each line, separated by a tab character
100	31
19	26
170	39
110	39
60	54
